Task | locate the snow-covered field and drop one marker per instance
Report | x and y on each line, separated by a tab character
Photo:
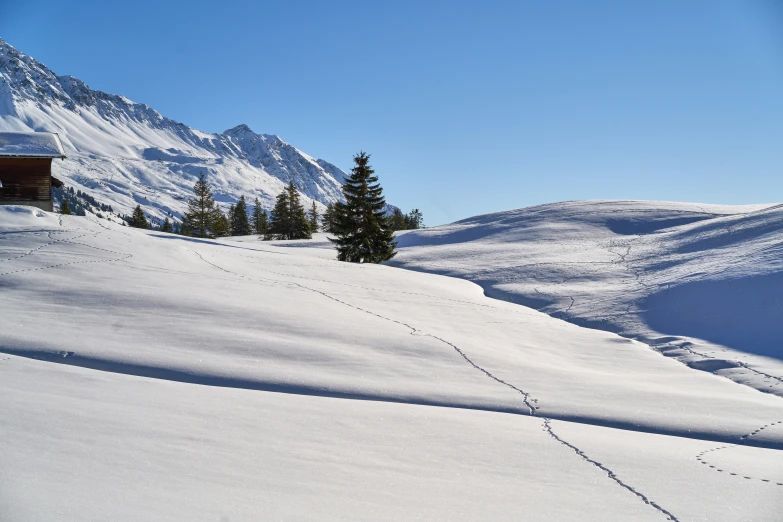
700	283
145	376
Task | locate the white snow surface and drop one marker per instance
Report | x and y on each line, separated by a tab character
700	283
125	153
30	145
146	376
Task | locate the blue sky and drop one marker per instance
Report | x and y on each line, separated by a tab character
466	107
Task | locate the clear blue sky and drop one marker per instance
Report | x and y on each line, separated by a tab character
466	107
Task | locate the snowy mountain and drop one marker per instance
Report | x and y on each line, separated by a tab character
699	283
124	153
146	376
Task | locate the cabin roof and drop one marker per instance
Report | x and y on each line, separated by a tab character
30	145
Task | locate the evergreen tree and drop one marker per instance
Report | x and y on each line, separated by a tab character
255	219
340	224
231	209
240	226
166	226
398	220
328	218
414	220
279	219
364	233
263	229
138	220
221	226
312	218
300	226
65	208
260	220
288	220
200	216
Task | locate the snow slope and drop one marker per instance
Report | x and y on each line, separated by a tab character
125	153
701	283
145	376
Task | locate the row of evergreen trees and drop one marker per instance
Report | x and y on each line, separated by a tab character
78	203
413	220
363	231
204	218
289	220
71	203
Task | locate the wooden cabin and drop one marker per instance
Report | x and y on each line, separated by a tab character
26	168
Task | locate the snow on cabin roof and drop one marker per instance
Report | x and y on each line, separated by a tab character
30	145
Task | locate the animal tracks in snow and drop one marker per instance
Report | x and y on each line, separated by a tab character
703	460
530	403
609	472
68	240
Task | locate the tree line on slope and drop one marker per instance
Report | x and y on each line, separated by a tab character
364	232
204	217
76	202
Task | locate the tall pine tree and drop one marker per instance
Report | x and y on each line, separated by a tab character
199	219
231	214
364	233
65	208
300	227
221	226
312	218
279	218
138	219
240	226
166	226
328	218
398	220
414	220
260	219
288	220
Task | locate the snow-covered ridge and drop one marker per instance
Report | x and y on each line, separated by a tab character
125	153
701	283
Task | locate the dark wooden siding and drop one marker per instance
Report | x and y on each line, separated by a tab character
25	179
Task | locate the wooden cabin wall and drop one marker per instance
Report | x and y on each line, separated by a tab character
26	179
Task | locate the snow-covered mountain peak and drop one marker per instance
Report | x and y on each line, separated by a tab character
239	130
244	133
249	140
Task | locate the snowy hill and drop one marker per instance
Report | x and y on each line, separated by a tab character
701	283
124	153
145	376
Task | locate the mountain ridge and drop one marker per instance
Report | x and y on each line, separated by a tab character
125	153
